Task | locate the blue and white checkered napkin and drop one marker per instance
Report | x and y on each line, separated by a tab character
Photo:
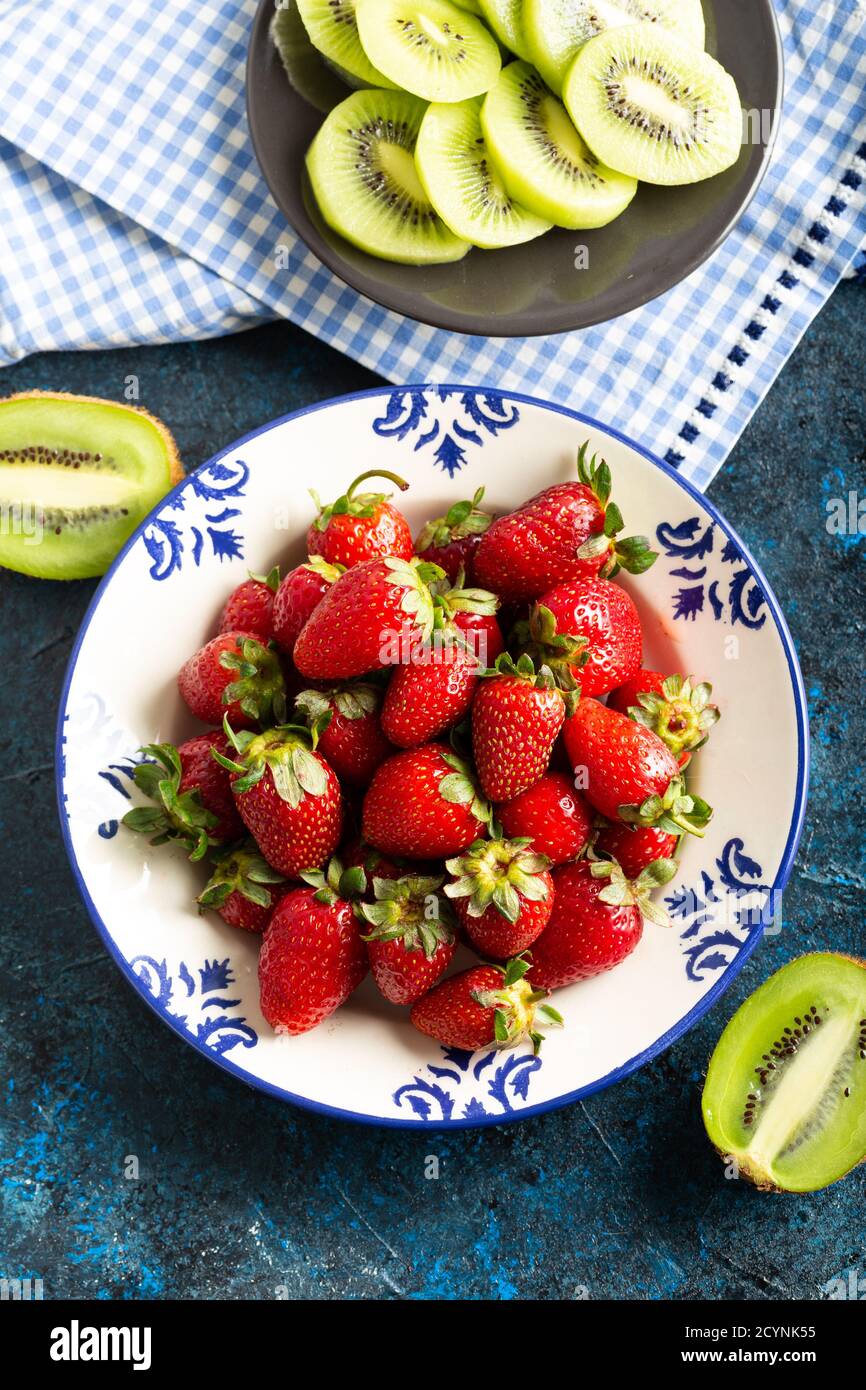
133	211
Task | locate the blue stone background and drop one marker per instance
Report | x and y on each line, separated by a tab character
239	1195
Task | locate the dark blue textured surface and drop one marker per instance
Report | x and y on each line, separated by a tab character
239	1196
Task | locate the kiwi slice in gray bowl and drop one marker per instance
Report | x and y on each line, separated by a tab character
654	107
543	161
463	183
77	475
555	30
308	71
429	47
785	1093
361	167
332	26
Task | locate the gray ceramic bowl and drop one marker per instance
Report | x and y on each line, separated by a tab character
663	236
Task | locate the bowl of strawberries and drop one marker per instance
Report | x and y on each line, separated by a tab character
453	764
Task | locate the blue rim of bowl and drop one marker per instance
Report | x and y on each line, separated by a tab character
682	1025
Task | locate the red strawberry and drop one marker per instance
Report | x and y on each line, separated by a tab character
243	888
370	618
597	920
288	797
551	815
605	622
635	847
503	895
565	532
490	1004
312	955
675	708
234	675
452	540
629	773
516	716
360	526
202	773
423	804
350	736
194	802
250	607
300	593
434	689
412	941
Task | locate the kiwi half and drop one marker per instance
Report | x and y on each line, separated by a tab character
362	170
785	1094
333	29
429	47
544	163
556	30
462	182
654	107
77	475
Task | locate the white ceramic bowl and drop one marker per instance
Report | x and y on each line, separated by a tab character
706	610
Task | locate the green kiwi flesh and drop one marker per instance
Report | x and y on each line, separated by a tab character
430	48
307	70
654	107
462	182
785	1094
332	26
543	161
361	166
505	18
556	30
77	475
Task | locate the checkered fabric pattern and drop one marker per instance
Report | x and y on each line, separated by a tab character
139	214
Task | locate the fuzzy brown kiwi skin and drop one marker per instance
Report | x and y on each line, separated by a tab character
175	467
758	1180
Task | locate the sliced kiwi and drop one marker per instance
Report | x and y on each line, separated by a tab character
785	1094
77	475
543	161
429	47
505	18
362	171
333	29
312	77
556	30
654	107
462	182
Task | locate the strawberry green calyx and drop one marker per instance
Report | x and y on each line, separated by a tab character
561	652
681	715
354	503
455	598
354	701
542	677
258	684
516	1005
494	873
462	520
411	910
287	752
176	815
460	788
674	812
631	553
271	579
336	882
621	892
317	564
240	869
415	577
